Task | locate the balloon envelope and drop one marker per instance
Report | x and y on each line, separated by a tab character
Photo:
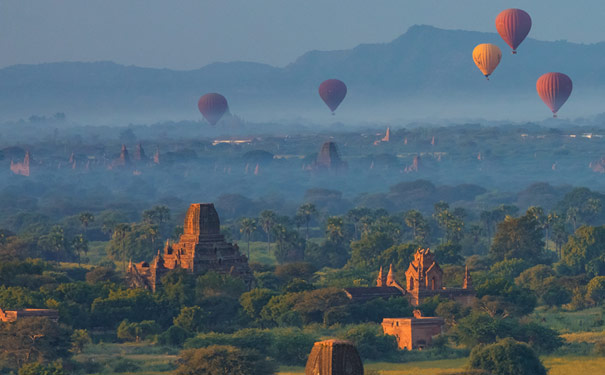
513	25
332	91
554	89
213	106
487	57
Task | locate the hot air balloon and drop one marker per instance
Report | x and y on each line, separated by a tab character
487	57
513	25
554	89
332	91
213	106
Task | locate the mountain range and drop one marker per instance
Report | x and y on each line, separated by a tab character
424	65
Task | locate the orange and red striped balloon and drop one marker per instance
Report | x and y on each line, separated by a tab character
554	89
513	25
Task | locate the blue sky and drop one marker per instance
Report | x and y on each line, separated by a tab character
188	34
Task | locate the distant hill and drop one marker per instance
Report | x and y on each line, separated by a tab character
424	62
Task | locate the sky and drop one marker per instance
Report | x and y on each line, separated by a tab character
188	34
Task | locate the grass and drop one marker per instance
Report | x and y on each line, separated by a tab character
258	252
141	359
445	366
574	365
570	321
556	366
589	337
147	359
96	252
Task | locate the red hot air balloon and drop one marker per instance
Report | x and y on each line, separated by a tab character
332	91
554	89
213	106
513	25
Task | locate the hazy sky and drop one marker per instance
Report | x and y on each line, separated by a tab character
188	34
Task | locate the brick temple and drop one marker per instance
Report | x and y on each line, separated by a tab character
413	333
201	248
424	279
14	315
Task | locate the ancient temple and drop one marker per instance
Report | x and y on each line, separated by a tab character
14	315
329	159
21	168
424	279
201	248
334	357
123	161
413	333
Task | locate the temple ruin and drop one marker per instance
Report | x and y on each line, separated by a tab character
334	357
201	248
413	333
424	279
9	316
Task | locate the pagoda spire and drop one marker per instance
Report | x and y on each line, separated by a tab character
380	281
468	281
390	276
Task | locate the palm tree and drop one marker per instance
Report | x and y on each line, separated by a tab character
572	216
413	219
119	234
307	211
86	218
267	220
151	232
247	227
80	244
334	226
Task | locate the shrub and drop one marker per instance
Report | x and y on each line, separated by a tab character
220	359
371	342
507	357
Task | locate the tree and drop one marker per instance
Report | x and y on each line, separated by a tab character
507	357
54	243
157	215
118	250
595	290
101	274
370	341
253	301
334	229
586	244
267	220
307	211
414	220
80	245
354	216
34	340
223	360
247	227
500	297
290	246
449	253
79	339
366	252
518	238
508	269
190	319
86	218
572	216
136	331
479	328
54	368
